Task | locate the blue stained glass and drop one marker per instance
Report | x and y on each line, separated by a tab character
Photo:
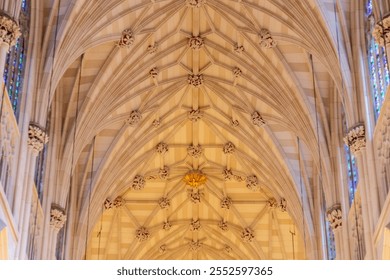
331	242
352	173
369	7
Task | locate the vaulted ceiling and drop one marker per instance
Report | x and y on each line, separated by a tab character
157	89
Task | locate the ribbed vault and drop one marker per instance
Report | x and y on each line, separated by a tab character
226	87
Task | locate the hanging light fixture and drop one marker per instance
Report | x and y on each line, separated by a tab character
195	178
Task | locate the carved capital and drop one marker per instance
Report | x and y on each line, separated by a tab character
334	216
37	138
247	235
195	151
195	80
196	42
57	218
252	182
356	139
138	182
381	32
9	31
226	202
127	38
266	40
164	202
194	195
142	234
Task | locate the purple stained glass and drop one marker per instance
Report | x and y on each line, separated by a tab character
369	7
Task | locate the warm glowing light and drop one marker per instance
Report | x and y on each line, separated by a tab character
195	178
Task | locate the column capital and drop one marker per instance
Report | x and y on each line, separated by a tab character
9	30
356	138
57	217
37	138
334	216
381	32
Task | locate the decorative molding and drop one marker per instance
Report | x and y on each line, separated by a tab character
138	183
195	80
153	72
156	123
195	178
37	138
283	204
381	32
257	119
266	40
234	123
196	42
195	225
223	225
272	203
356	139
239	48
134	118
162	148
142	234
118	202
163	173
227	249
226	202
194	195
167	225
152	49
164	202
237	72
247	235
195	3
195	115
127	38
252	182
195	246
229	148
195	151
227	174
334	216
57	218
9	31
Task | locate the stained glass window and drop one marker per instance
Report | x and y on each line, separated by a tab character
16	60
378	66
352	173
330	241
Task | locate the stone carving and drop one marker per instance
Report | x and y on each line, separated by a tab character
162	148
237	72
223	225
272	203
334	216
127	39
266	40
356	139
138	183
252	182
227	249
381	32
195	115
257	119
37	138
164	202
195	80
195	151
195	3
9	31
196	42
57	218
194	195
163	173
153	72
152	48
247	235
195	225
239	178
234	123
134	118
156	123
195	245
227	174
239	49
167	225
226	202
283	204
118	202
229	148
142	234
162	249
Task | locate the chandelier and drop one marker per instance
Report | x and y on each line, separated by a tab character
195	178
